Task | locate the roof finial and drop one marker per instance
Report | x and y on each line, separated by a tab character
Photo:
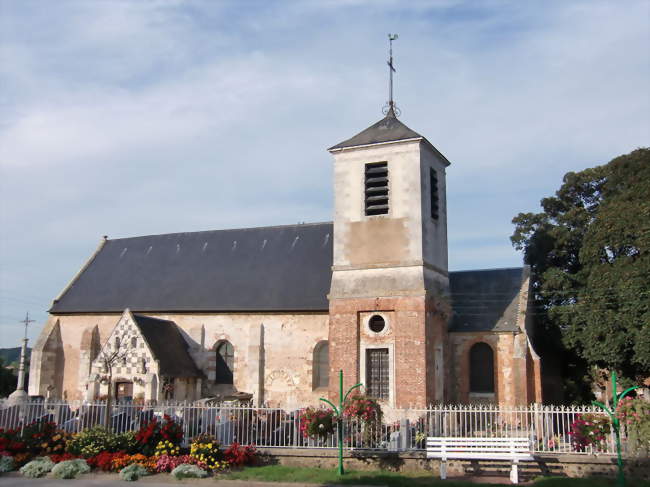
391	108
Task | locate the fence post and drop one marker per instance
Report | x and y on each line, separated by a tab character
405	434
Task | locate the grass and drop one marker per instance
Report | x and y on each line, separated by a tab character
281	473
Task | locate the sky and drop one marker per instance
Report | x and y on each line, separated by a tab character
127	118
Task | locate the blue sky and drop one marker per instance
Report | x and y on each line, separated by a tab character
127	118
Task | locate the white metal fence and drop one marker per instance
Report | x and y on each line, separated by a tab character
547	427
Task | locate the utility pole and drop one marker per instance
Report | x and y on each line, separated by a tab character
20	395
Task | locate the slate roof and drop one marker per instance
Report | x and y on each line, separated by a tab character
486	299
388	129
168	346
283	268
253	269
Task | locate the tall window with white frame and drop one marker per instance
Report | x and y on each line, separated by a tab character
376	188
225	361
377	373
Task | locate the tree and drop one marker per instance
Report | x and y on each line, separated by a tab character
111	356
8	380
589	252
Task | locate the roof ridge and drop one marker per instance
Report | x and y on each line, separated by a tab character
312	224
388	129
140	315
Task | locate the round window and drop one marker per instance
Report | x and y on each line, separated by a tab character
377	323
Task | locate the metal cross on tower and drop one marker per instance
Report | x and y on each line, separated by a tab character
391	107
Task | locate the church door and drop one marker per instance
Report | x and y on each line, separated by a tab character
124	390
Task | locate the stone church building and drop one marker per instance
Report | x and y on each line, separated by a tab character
274	313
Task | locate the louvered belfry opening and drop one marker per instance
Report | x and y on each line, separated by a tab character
433	183
376	188
377	379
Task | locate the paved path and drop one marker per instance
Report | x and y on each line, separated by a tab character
15	479
107	480
112	480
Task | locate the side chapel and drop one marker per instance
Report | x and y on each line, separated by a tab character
274	313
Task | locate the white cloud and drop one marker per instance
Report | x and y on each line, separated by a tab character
127	117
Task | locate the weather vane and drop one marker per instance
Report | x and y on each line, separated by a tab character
391	106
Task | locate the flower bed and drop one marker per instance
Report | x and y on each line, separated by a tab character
154	448
39	438
156	431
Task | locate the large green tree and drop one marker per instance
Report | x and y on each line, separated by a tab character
7	380
589	252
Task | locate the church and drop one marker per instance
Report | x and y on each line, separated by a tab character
274	313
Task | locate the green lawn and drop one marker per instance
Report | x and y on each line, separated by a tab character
280	473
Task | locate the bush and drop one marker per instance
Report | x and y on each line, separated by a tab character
125	442
590	430
133	472
6	464
166	447
62	457
70	469
104	460
205	449
187	471
239	456
124	460
37	467
167	463
96	440
22	458
316	422
37	438
156	431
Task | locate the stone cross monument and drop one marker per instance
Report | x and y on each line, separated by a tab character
20	395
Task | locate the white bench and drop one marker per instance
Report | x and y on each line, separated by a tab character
513	449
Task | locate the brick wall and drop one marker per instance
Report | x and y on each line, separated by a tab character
413	330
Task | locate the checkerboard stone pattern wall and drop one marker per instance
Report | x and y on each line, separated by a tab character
137	359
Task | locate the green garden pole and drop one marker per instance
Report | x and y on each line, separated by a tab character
620	481
339	415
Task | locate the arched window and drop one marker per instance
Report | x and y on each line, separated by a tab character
481	368
321	365
225	362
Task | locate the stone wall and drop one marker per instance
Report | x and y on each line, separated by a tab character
413	329
557	465
517	373
270	349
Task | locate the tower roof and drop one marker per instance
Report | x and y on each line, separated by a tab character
388	129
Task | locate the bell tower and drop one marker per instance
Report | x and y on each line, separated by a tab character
387	301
